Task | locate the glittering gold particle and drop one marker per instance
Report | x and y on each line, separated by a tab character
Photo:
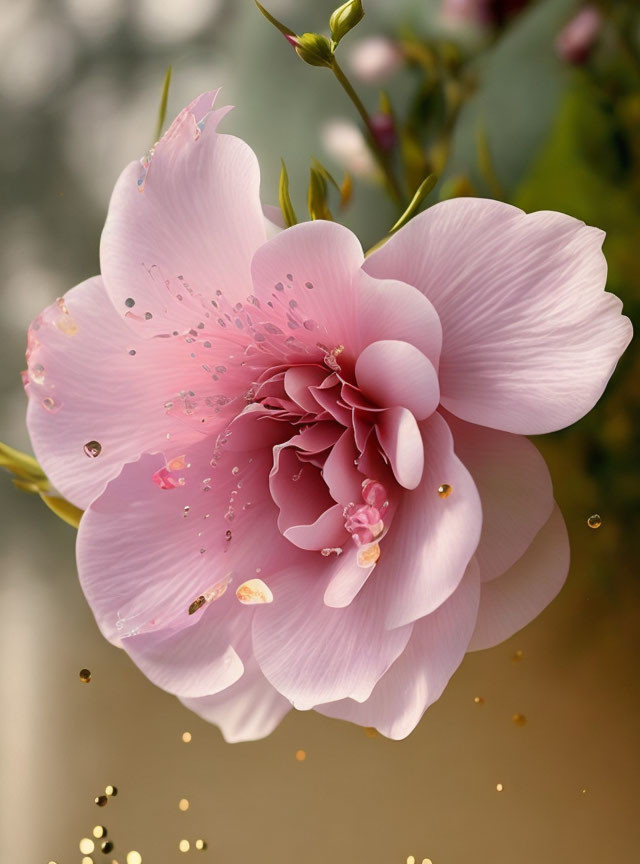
499	787
99	831
186	737
427	861
87	845
445	490
411	859
184	845
301	755
111	791
134	857
517	656
107	847
101	800
519	719
85	675
87	860
478	700
183	804
200	845
594	521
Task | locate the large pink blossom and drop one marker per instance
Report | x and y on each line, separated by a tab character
304	472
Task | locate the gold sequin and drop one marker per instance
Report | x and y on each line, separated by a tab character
99	831
445	490
186	737
183	804
184	845
301	755
134	857
201	844
87	845
85	675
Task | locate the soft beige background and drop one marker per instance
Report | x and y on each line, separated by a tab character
79	84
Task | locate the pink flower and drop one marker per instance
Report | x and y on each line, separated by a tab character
375	59
303	471
576	40
480	12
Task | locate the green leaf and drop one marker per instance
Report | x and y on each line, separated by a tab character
162	111
277	24
317	195
421	193
286	206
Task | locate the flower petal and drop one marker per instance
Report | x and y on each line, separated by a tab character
399	435
92	379
145	554
313	653
393	373
432	539
514	599
530	338
248	710
515	491
186	227
419	675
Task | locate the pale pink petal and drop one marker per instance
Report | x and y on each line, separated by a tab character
530	338
145	554
514	599
515	491
193	661
340	473
419	675
432	538
393	373
346	579
399	435
298	380
388	309
184	228
316	266
254	428
91	379
312	653
248	710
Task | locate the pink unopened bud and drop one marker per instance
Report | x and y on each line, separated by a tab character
384	131
575	42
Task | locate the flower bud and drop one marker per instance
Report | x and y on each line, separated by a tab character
575	42
383	130
313	48
375	59
345	18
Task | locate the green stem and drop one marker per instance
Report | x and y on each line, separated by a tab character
381	157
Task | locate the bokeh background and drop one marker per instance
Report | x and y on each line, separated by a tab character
499	111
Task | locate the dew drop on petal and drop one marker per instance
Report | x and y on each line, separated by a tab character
253	592
129	302
51	405
36	373
594	521
445	490
368	555
85	676
92	449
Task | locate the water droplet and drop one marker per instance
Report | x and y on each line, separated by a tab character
51	405
279	286
594	521
85	676
130	302
445	490
308	285
185	512
101	800
106	847
37	373
519	719
148	316
198	603
235	470
253	592
92	449
368	555
310	324
132	352
228	535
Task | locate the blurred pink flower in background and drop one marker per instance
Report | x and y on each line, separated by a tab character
480	12
345	143
303	471
375	59
576	40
